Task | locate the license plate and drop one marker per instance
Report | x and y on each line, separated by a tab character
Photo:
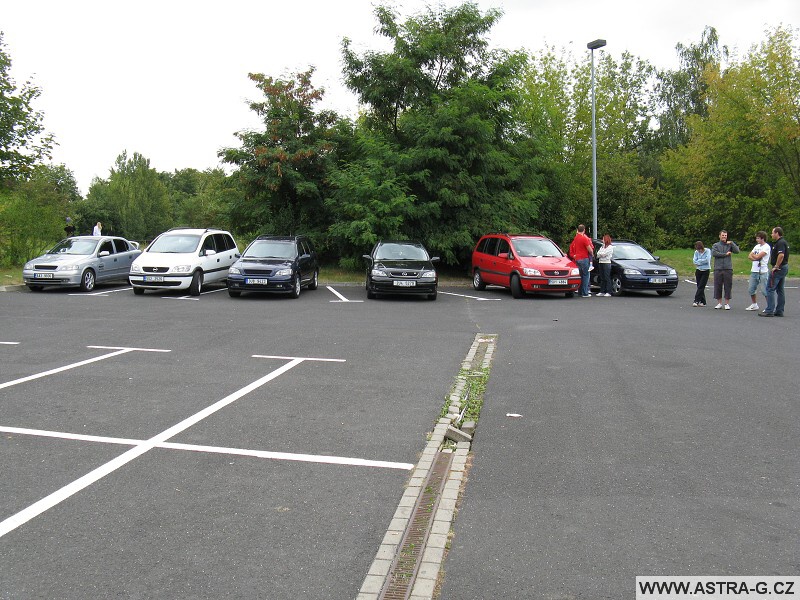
405	283
256	281
154	278
658	280
42	275
558	282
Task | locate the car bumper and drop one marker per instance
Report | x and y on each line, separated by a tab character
646	283
553	285
395	287
260	284
54	279
154	282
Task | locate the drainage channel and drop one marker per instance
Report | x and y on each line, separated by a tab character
408	562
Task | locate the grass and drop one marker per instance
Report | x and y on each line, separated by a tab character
681	260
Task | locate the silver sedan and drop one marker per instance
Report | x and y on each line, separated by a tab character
81	262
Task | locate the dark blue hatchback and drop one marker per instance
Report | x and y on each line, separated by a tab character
275	264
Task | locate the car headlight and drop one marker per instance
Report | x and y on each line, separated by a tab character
136	268
283	272
673	272
528	271
69	268
234	271
428	274
28	266
574	272
182	269
378	273
632	272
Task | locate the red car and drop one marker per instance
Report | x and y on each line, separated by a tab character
523	263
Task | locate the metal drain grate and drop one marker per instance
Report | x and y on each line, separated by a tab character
401	578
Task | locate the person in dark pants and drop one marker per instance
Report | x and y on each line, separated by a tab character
702	263
779	259
723	269
604	254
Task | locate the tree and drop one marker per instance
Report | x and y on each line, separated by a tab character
23	142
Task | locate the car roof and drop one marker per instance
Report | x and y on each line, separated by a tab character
519	235
411	242
281	238
193	230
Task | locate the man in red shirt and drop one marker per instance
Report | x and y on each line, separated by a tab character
581	251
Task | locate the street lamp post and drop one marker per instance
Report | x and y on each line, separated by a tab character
594	46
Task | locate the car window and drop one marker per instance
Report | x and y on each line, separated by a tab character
491	246
208	244
74	246
222	241
393	251
535	247
482	245
306	246
502	247
631	252
175	244
106	246
121	245
271	249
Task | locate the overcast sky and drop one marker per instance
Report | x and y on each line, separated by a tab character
168	78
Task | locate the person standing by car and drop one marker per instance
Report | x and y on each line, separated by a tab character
98	229
581	251
779	259
759	272
723	269
702	263
69	229
604	254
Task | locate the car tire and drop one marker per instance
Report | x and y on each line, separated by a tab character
516	287
616	285
664	292
35	288
138	291
87	280
296	286
197	284
477	281
433	295
314	281
234	293
370	294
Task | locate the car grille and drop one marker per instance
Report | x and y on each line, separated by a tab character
155	269
655	271
557	273
403	274
264	272
45	267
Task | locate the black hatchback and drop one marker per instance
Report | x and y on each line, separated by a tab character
634	269
275	264
401	267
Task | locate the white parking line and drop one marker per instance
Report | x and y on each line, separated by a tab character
194	298
472	297
80	364
310	458
37	508
338	295
9	343
103	293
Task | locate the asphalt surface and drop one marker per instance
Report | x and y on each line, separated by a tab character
655	438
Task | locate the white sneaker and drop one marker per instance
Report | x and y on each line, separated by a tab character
608	295
752	307
727	307
718	306
695	304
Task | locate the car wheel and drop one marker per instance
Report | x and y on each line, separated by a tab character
432	296
664	292
370	294
477	281
516	287
197	284
87	281
616	285
296	286
314	281
138	291
35	288
234	293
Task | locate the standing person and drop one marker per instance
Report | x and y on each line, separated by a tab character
759	272
604	254
70	228
779	259
581	251
723	268
702	263
98	229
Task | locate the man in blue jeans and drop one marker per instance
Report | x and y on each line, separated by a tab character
779	259
581	251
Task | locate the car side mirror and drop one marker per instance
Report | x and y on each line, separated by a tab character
657	257
209	252
367	256
104	253
435	259
503	255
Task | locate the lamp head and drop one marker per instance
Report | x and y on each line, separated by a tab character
596	44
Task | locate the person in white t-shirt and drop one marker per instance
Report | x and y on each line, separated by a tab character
759	272
98	229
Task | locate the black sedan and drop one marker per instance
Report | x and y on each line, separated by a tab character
634	269
401	267
275	264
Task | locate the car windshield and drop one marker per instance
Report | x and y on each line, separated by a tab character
177	244
400	252
631	252
75	246
535	247
271	249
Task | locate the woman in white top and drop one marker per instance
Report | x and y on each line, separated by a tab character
98	229
604	254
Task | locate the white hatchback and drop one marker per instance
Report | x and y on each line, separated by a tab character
184	258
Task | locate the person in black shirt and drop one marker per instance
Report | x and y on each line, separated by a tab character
779	259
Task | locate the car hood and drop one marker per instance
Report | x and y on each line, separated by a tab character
61	259
264	262
411	265
547	262
641	264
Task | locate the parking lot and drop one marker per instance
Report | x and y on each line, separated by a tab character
207	447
